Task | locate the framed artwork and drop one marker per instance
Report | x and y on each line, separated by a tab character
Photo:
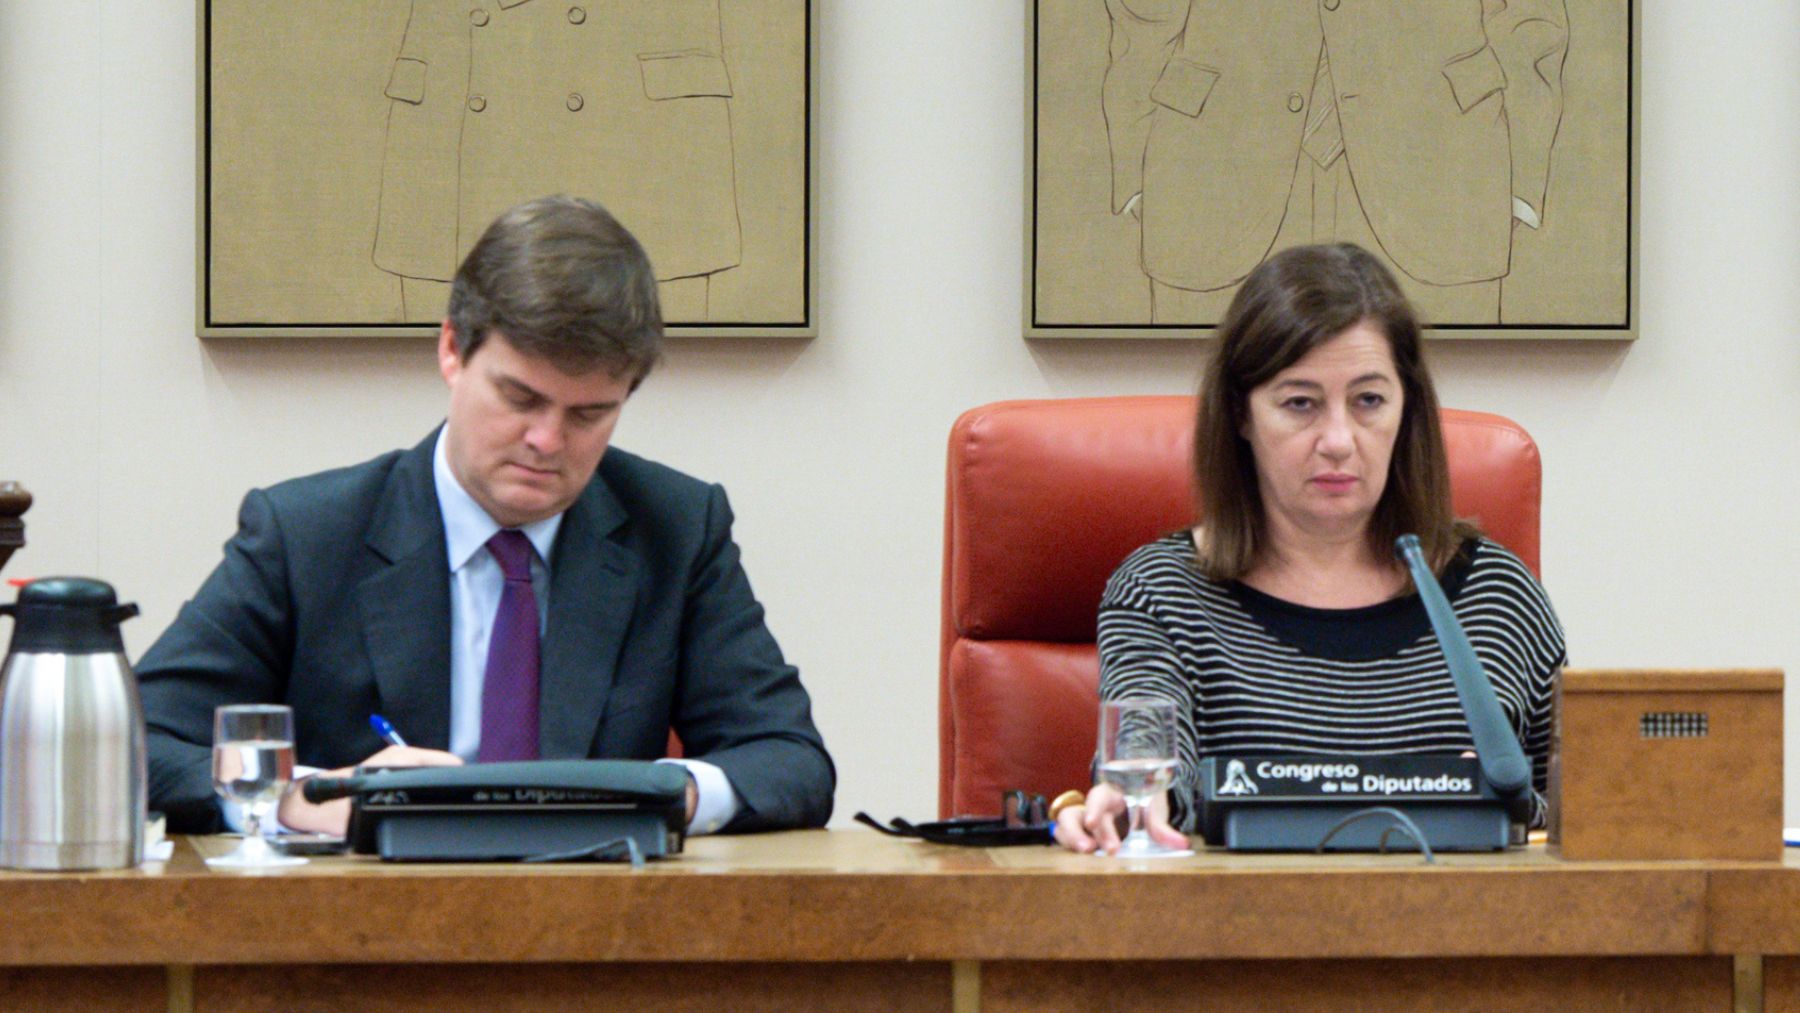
1484	150
351	154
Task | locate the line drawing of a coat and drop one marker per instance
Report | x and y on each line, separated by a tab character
1449	110
497	101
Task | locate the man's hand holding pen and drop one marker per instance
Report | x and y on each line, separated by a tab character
333	817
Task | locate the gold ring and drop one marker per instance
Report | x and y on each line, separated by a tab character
1066	800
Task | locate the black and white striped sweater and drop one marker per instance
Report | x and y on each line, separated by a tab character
1254	674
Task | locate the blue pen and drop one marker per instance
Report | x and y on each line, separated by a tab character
386	730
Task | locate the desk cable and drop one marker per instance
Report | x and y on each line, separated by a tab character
1398	821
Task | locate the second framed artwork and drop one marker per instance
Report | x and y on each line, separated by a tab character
351	154
1484	150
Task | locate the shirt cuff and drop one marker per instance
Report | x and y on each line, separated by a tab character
1526	214
716	802
234	813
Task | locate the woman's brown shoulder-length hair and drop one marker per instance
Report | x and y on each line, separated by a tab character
1293	302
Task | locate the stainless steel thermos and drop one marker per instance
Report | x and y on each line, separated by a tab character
72	788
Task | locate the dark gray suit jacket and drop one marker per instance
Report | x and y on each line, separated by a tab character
334	597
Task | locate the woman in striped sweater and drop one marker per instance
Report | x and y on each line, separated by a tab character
1283	623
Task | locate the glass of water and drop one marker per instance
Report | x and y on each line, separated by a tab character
1137	756
253	763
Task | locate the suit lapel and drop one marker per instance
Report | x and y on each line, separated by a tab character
404	605
593	588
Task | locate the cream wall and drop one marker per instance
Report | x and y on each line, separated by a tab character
1672	465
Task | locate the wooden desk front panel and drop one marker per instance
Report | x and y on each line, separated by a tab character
850	896
84	989
575	988
1489	985
1781	985
1642	985
849	920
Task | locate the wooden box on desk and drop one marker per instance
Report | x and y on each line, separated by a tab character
1670	763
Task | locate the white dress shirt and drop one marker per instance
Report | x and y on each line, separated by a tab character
475	585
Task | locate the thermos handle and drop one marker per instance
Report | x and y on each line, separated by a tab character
9	610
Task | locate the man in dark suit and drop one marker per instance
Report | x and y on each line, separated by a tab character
408	585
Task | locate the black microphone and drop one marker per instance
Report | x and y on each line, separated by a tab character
1503	762
324	789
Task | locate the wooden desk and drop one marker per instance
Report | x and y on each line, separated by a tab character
848	920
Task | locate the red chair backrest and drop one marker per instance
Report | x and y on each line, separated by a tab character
1042	502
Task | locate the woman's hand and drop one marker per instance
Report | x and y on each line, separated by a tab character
1095	824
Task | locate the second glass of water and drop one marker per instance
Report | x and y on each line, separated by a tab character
1137	756
253	764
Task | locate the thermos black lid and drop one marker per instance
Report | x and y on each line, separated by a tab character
67	615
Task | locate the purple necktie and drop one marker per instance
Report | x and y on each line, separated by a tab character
509	694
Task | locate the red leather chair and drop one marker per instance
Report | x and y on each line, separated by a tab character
1043	500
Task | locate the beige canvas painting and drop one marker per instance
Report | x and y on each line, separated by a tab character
351	154
1482	149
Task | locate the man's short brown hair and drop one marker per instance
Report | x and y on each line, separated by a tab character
563	281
